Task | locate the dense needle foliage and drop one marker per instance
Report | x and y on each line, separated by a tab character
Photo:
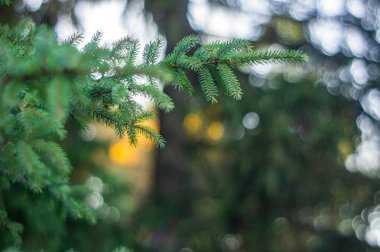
43	83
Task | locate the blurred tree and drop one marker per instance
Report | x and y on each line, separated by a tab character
267	174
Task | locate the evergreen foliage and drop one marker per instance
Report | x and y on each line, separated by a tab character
214	62
43	83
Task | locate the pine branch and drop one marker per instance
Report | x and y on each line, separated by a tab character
207	85
223	56
42	83
152	135
74	40
230	82
116	73
185	45
162	100
265	57
20	178
72	85
151	52
181	81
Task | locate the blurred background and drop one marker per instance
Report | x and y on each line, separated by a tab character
293	166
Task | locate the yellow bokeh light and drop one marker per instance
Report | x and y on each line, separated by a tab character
345	147
192	123
123	153
152	123
143	142
215	131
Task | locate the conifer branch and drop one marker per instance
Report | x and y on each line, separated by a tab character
75	72
207	85
43	83
224	56
230	82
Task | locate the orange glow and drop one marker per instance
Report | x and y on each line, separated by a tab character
152	123
215	131
144	142
123	153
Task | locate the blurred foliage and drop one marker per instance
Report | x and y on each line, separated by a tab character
263	191
266	173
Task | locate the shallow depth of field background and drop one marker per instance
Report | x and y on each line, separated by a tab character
293	166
